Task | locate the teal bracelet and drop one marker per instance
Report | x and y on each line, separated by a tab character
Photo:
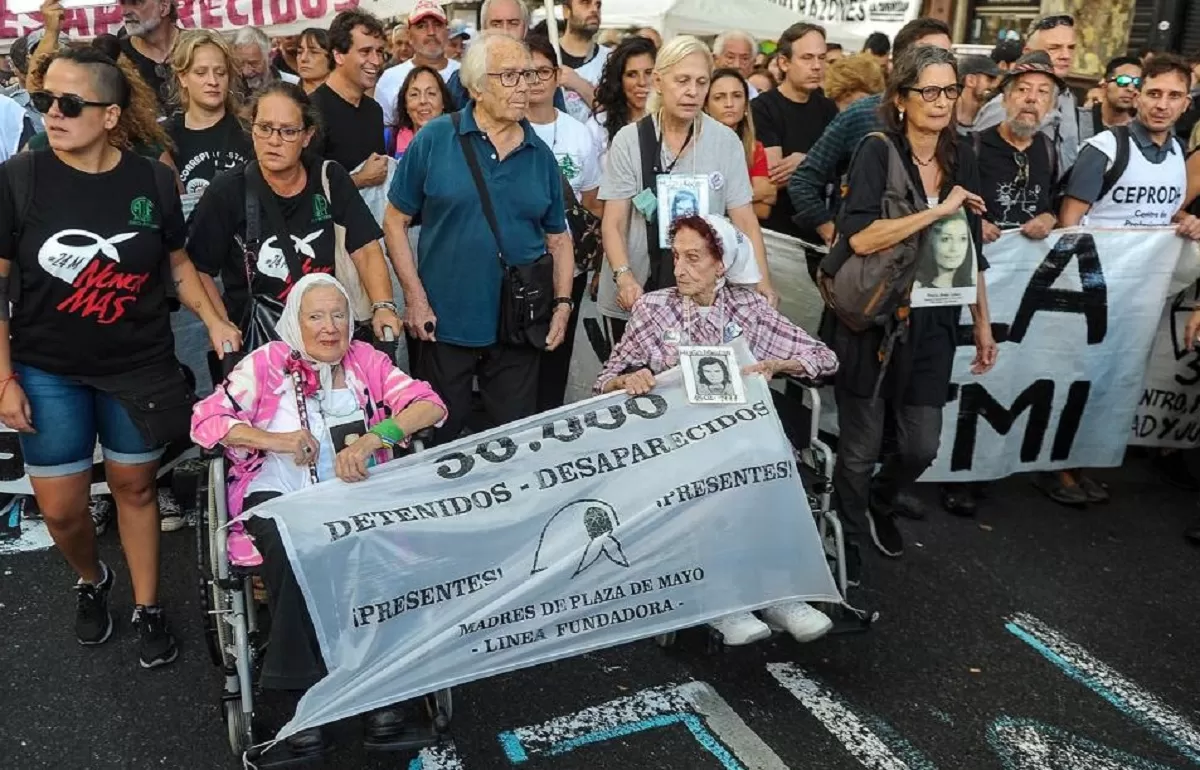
389	432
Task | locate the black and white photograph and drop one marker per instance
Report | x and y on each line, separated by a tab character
712	375
680	195
946	267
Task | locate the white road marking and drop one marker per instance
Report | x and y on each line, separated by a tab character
34	537
696	705
442	757
836	717
1025	744
1167	724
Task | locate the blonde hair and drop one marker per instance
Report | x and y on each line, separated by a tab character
860	73
673	52
1194	139
183	56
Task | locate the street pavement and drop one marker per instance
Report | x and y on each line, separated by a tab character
1030	637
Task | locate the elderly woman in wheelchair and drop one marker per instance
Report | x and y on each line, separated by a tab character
713	303
293	413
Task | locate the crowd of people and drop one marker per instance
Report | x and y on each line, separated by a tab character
306	200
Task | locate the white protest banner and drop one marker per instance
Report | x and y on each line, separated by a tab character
1168	413
597	524
849	22
1074	317
275	17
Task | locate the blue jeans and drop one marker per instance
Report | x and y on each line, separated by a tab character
68	417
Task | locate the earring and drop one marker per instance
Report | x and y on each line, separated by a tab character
901	115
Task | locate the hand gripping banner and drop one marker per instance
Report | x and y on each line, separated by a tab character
597	524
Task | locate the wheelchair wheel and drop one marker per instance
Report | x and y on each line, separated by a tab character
218	604
238	729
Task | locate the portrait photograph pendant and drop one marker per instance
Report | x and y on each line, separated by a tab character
711	375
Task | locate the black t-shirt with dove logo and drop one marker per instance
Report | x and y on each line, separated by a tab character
93	256
219	223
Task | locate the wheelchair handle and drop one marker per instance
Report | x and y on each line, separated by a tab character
808	382
388	334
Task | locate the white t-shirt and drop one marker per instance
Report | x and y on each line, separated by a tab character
597	128
279	472
572	145
591	72
387	90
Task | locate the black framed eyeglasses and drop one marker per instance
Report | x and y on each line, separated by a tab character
286	133
70	105
1126	81
1050	22
931	93
509	78
545	73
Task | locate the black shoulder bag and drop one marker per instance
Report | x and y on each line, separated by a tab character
662	264
526	291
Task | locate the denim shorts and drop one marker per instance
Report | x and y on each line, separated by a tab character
68	416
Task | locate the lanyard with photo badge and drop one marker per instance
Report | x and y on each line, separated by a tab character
646	202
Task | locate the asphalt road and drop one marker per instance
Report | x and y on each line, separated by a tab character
1031	637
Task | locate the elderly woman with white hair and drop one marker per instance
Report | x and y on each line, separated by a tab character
691	150
454	288
712	303
307	408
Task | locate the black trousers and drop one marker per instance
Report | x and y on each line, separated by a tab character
293	657
555	367
918	431
508	382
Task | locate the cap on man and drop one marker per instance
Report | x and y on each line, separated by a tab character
457	38
1006	52
979	75
428	31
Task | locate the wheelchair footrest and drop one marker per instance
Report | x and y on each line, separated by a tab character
413	738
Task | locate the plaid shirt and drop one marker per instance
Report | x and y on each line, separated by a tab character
832	151
656	330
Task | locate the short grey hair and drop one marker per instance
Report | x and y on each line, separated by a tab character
252	36
473	72
734	34
485	12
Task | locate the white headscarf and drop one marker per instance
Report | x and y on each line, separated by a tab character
289	331
740	265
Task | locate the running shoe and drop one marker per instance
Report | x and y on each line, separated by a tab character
170	515
156	645
93	621
742	628
804	622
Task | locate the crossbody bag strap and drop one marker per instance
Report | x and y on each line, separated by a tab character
251	242
648	148
257	187
480	185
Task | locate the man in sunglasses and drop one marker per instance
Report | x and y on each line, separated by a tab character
1122	78
153	26
1054	35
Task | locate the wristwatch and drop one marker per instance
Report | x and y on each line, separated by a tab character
564	301
620	271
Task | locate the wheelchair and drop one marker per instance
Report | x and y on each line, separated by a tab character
234	631
799	408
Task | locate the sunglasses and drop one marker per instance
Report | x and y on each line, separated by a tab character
70	105
931	93
1125	81
1050	22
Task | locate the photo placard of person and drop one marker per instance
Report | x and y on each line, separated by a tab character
1075	318
711	375
599	523
946	267
680	195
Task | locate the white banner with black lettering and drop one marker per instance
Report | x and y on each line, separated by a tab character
1168	414
1075	317
597	524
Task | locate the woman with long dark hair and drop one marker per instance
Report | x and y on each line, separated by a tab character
88	352
623	91
729	102
913	379
423	97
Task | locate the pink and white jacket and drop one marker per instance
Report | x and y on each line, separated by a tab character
252	392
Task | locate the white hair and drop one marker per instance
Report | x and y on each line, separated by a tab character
251	36
673	52
734	34
485	12
473	72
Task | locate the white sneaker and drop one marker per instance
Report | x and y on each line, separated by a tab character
170	515
740	629
800	620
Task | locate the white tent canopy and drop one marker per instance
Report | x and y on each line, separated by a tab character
761	18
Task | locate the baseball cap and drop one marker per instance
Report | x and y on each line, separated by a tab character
426	9
974	64
459	28
1007	51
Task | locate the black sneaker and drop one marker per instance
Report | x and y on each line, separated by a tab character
93	621
885	534
155	643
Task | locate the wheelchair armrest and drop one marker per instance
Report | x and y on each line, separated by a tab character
816	383
215	453
421	440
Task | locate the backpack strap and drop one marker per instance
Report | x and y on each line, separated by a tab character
1120	162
